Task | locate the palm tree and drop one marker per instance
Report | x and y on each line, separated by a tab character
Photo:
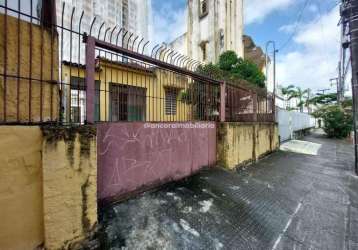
302	95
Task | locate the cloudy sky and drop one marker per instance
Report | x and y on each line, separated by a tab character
306	32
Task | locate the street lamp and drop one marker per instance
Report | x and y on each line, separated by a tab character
273	43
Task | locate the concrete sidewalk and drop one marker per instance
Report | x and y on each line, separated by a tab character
286	201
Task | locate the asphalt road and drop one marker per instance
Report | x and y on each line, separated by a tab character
286	201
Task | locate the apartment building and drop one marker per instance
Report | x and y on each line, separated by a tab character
213	27
132	15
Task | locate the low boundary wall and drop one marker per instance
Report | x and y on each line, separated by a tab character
135	156
51	178
291	122
48	186
243	143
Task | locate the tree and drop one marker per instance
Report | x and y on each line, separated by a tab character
324	99
250	72
292	91
231	67
347	103
228	60
337	122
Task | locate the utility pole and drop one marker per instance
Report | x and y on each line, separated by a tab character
349	13
342	61
274	73
335	81
323	91
274	64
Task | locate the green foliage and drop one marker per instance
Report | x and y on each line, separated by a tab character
204	103
228	60
337	123
347	103
250	72
287	90
211	70
296	92
324	99
231	67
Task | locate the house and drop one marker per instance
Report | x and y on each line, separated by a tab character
130	91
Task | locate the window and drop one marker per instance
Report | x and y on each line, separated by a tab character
203	50
203	8
128	103
171	95
222	38
78	100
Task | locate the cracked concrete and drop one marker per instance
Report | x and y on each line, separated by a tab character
286	201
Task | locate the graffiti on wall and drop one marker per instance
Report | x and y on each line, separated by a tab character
136	155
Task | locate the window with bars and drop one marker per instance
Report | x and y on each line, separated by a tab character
203	50
78	100
171	95
203	8
128	103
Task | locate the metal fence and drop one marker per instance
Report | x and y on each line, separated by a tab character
131	86
67	68
28	64
248	105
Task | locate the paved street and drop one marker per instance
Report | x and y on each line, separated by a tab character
286	201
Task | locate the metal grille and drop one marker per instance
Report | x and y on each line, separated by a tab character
48	75
248	105
28	63
171	95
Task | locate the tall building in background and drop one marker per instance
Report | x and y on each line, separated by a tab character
132	15
213	27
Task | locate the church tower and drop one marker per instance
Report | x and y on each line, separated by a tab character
214	26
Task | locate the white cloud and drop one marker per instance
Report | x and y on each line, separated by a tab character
315	62
168	23
289	28
257	10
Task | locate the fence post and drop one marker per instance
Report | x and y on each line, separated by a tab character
90	78
254	98
223	102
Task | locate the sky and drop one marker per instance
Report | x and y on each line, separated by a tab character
306	33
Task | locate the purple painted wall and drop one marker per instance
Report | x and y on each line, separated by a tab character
136	155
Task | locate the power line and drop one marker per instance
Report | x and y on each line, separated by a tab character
299	18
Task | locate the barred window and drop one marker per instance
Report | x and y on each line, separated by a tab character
171	95
128	103
203	8
78	100
203	50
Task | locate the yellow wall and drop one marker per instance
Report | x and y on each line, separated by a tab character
267	139
21	212
241	143
69	185
154	82
48	187
42	43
